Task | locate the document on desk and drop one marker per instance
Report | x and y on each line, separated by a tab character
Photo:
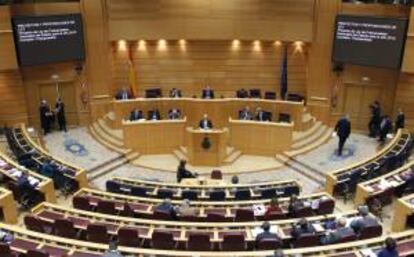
318	227
259	209
257	230
368	253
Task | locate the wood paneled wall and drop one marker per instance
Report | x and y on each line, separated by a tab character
7	53
408	62
404	97
285	20
224	65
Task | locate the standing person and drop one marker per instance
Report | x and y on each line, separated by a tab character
182	172
343	130
400	120
60	113
385	128
374	123
45	117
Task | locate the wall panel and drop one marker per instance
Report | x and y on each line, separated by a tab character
12	105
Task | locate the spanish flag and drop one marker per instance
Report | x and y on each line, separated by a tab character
132	78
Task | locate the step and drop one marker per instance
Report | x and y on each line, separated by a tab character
309	139
108	168
234	155
297	136
179	154
320	141
111	140
184	150
132	156
116	133
97	137
300	168
111	116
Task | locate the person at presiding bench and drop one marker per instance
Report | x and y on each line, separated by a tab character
174	114
242	93
390	249
261	115
205	123
182	172
154	114
342	231
175	93
136	115
245	114
302	227
207	93
123	94
266	234
167	207
364	220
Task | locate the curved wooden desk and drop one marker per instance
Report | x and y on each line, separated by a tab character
76	173
219	110
382	186
8	206
396	145
77	248
404	208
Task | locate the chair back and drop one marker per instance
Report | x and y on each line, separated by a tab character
36	253
216	174
64	228
215	217
165	193
34	223
161	215
128	237
107	207
97	234
275	215
189	194
162	240
269	244
5	250
306	240
303	212
82	202
217	195
139	191
233	242
113	186
348	238
268	193
326	207
198	242
370	232
242	194
244	215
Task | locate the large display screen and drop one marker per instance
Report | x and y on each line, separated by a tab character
369	41
48	39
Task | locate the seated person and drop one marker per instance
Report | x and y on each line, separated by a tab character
390	249
25	159
27	190
273	207
47	169
261	115
242	93
175	93
337	235
123	94
294	204
364	220
182	172
113	250
266	234
174	114
136	115
167	207
245	114
205	123
303	227
185	209
408	175
154	114
207	93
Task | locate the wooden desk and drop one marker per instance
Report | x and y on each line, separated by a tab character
219	110
202	181
206	147
404	207
154	137
260	138
8	205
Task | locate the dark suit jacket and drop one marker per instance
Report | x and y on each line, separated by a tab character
400	121
385	127
298	230
387	253
245	115
203	126
175	93
120	95
266	235
343	128
262	116
242	94
136	115
152	114
208	92
174	116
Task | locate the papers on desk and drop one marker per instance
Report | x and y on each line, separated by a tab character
368	253
259	209
33	181
257	230
318	227
383	184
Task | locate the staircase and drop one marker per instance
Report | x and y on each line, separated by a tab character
232	154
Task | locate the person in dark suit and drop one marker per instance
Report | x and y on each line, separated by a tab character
26	189
208	93
154	114
182	172
174	114
343	130
374	123
390	249
123	94
46	117
337	235
205	123
266	234
175	93
261	115
167	207
400	120
47	169
245	114
364	220
60	114
136	115
242	93
303	227
385	128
